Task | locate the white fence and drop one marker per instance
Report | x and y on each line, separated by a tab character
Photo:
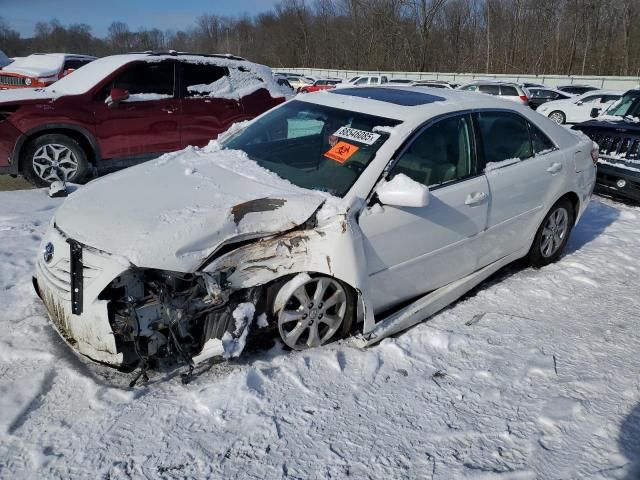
612	83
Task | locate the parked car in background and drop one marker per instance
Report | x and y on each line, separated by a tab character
393	204
507	91
576	89
285	87
4	60
578	109
529	85
40	69
434	84
400	82
538	96
617	132
121	110
363	80
297	82
321	84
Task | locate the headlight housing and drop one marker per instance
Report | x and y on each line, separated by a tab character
28	81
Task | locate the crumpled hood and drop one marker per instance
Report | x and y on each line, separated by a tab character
173	212
26	94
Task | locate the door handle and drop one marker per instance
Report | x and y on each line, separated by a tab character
169	109
554	168
475	198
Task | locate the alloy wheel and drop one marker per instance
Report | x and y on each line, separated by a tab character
54	162
554	232
313	313
557	117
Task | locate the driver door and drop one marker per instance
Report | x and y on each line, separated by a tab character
411	251
146	123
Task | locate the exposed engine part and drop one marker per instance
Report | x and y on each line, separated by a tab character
158	314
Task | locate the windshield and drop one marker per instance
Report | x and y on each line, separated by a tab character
314	146
627	106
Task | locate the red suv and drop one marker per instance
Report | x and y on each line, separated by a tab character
121	110
319	85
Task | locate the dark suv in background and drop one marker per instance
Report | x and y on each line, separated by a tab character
124	109
617	132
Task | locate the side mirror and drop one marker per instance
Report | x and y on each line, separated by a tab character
595	112
116	96
402	191
579	102
68	71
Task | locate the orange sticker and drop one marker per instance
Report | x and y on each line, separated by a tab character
341	152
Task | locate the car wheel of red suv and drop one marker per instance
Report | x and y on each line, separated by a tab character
54	157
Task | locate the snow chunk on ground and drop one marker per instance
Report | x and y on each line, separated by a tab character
234	343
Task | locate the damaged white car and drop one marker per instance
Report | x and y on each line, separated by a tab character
363	209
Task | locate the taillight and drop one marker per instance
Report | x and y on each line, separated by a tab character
595	152
524	98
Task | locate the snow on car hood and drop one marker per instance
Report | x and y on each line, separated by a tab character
172	213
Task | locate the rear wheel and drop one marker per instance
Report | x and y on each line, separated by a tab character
552	236
54	157
315	312
558	117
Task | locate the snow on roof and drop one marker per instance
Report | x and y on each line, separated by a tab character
87	77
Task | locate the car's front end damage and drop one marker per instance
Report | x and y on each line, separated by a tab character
186	300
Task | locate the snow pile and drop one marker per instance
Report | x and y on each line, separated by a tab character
534	375
146	97
616	118
234	343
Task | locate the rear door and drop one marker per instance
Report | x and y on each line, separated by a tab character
149	121
525	171
210	104
413	250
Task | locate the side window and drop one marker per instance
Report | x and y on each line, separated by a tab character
490	89
374	80
363	81
609	98
384	80
508	91
540	142
470	88
591	99
147	78
202	80
505	136
440	154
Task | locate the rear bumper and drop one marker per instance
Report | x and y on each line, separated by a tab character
608	177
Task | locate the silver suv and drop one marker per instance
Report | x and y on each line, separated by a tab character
507	90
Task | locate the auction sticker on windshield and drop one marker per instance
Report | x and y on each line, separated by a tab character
341	152
360	136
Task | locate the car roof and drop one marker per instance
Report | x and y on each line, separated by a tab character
66	56
407	103
601	92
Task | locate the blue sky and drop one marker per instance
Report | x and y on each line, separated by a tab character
22	15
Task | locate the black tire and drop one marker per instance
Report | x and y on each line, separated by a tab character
536	257
560	115
323	329
74	156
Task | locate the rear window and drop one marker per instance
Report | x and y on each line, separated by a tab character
490	89
508	91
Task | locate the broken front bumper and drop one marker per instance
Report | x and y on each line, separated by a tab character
74	307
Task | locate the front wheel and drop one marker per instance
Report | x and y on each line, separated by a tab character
558	117
54	157
314	312
553	234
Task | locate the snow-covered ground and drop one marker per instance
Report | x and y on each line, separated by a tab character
534	376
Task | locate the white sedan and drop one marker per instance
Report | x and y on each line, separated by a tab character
365	208
578	109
